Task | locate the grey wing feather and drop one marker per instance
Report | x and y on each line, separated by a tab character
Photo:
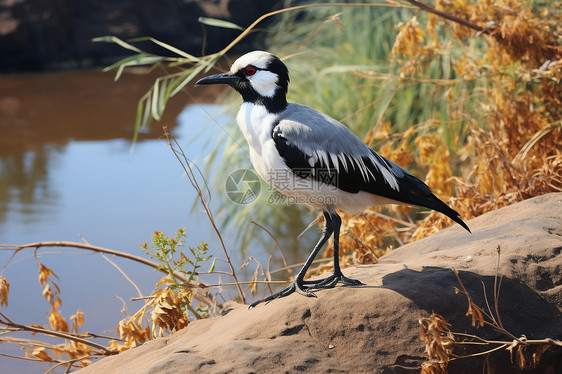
324	139
306	138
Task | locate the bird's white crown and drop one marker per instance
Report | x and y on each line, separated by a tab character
263	81
259	59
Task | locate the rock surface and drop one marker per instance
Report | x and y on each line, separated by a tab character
374	328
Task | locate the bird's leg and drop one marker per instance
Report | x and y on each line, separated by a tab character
334	221
299	284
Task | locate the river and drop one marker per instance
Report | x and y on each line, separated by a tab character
68	172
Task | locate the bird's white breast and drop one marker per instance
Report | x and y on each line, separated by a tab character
256	124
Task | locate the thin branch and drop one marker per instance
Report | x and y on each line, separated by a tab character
300	264
214	272
22	357
97	336
57	334
550	341
278	246
497	287
117	267
389	4
71	362
66	244
359	241
177	150
455	357
450	17
248	282
123	273
7	330
494	325
504	331
8	262
268	274
491	314
310	225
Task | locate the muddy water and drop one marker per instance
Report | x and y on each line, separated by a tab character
67	172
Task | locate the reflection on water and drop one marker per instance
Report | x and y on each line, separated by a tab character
24	186
41	113
66	169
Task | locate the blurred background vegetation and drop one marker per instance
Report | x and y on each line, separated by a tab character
467	94
477	113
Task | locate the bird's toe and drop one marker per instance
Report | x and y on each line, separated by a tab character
351	282
301	289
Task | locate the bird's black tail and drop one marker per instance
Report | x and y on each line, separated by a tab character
411	191
420	194
434	203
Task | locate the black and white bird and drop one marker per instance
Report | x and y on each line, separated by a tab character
311	157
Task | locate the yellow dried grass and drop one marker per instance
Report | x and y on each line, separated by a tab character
513	151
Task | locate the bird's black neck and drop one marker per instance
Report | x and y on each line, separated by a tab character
274	104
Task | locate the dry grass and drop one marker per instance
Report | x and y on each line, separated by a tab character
507	93
440	342
169	308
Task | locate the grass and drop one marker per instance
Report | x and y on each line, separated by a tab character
438	99
435	96
333	69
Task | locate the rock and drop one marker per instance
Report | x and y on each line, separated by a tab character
374	328
57	34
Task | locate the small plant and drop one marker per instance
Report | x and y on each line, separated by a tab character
167	308
164	248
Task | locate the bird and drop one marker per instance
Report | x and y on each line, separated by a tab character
313	158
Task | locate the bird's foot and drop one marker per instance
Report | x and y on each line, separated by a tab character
297	286
331	281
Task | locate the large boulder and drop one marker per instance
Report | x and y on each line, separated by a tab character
375	328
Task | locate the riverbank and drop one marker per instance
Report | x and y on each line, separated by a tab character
376	328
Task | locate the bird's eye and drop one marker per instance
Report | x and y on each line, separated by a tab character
250	70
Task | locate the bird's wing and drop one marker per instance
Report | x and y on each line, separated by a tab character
317	146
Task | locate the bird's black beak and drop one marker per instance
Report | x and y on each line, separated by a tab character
223	78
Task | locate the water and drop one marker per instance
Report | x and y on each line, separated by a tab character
68	172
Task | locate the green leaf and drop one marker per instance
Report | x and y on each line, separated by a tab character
213	265
192	250
116	40
168	47
154	102
145	117
120	62
219	23
182	83
162	99
135	60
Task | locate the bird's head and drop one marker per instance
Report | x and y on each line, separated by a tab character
260	77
